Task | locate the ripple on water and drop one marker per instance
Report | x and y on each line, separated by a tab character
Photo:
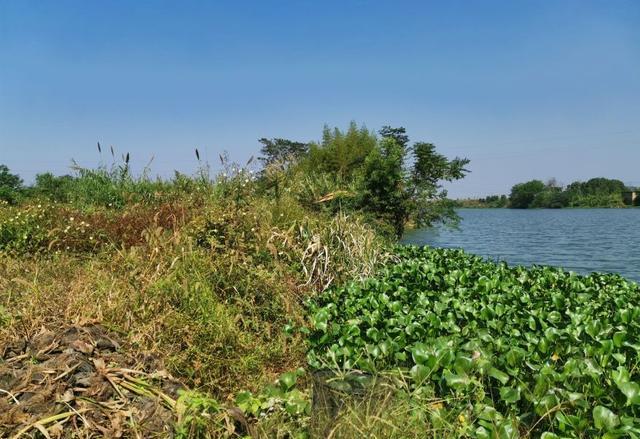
581	240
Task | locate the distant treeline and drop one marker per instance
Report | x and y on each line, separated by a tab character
596	192
490	201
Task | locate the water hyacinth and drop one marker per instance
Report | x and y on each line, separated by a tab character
537	350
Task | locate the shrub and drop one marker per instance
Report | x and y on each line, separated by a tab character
10	186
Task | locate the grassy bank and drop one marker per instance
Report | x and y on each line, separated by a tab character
275	304
275	321
205	276
201	280
262	309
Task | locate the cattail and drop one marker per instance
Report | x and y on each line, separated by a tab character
99	148
126	160
221	159
112	153
197	154
249	161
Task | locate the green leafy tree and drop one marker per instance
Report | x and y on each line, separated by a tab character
341	154
10	185
601	185
596	192
52	187
397	192
429	201
277	156
523	194
383	189
551	197
399	135
282	151
494	201
385	177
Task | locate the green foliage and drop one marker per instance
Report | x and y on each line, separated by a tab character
430	167
398	135
596	186
24	230
535	350
281	150
491	201
53	188
110	187
341	154
597	200
396	196
10	186
551	197
429	203
199	416
283	396
387	179
382	188
523	194
5	317
321	191
597	192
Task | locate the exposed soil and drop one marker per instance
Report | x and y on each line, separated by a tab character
80	382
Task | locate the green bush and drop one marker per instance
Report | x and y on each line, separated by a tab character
10	186
24	229
596	192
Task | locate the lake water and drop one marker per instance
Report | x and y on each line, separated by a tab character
582	240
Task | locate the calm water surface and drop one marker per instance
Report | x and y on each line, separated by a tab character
582	240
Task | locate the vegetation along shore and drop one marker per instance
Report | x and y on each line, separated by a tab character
596	192
271	300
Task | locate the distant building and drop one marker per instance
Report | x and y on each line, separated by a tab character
631	197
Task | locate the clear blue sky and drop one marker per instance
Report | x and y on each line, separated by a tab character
525	89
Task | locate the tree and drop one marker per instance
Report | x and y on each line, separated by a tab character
277	156
383	190
398	193
523	194
429	200
341	153
282	151
397	134
603	186
550	198
10	185
384	177
52	187
596	192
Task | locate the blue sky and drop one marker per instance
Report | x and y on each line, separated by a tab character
525	89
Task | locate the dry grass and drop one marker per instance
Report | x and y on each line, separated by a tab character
210	293
205	283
